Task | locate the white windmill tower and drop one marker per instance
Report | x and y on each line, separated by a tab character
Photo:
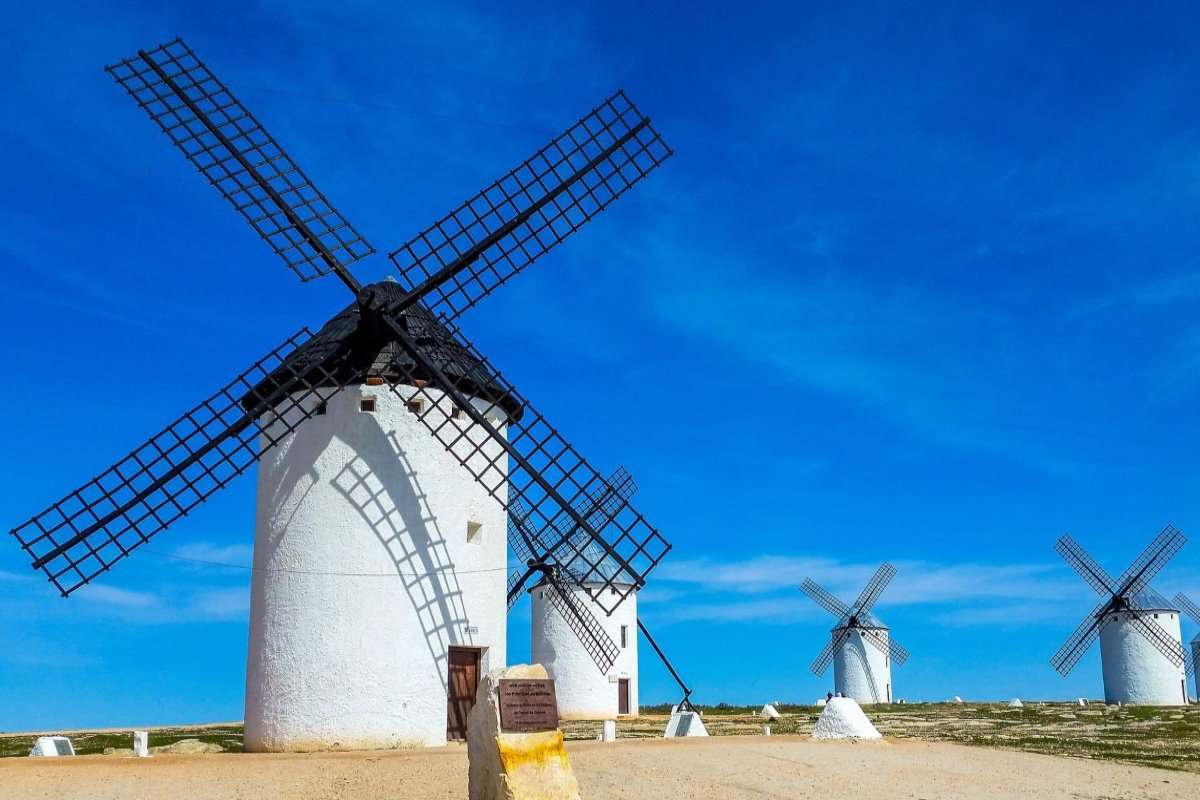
390	450
1141	650
591	654
860	645
1193	664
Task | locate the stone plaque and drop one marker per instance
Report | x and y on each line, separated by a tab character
527	705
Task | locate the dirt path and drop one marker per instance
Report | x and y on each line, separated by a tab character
727	768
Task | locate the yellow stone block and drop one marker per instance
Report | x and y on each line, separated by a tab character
536	766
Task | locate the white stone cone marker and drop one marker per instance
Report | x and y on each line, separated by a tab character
1016	703
843	719
769	712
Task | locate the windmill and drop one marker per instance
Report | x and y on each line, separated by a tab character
593	657
861	672
1193	611
389	449
1140	645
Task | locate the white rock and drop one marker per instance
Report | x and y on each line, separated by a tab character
843	719
608	730
769	712
52	747
685	723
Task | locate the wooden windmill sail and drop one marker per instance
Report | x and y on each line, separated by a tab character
399	338
860	671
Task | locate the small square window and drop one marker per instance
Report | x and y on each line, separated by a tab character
456	413
414	406
366	405
321	408
474	532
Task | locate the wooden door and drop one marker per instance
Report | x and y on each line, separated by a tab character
623	695
462	682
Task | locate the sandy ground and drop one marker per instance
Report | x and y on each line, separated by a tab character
725	768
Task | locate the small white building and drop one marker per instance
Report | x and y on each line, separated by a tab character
584	692
861	670
378	594
1135	670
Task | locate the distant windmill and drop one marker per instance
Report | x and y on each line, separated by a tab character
1193	611
592	655
390	451
1141	652
859	671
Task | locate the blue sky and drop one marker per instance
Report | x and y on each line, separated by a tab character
919	286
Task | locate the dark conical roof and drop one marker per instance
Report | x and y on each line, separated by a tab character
370	348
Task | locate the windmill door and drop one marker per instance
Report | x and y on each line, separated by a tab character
463	680
623	696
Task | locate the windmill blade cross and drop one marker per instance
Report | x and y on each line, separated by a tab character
1087	567
824	599
870	593
503	229
101	522
242	161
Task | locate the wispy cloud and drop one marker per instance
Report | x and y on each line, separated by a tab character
206	554
765	589
120	598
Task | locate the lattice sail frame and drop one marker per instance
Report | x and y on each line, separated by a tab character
846	614
1132	581
227	144
530	546
625	535
240	158
583	623
84	533
580	172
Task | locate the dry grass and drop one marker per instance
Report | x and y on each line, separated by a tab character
1167	737
1160	737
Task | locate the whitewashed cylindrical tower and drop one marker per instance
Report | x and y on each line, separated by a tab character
583	691
379	573
1135	670
860	669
